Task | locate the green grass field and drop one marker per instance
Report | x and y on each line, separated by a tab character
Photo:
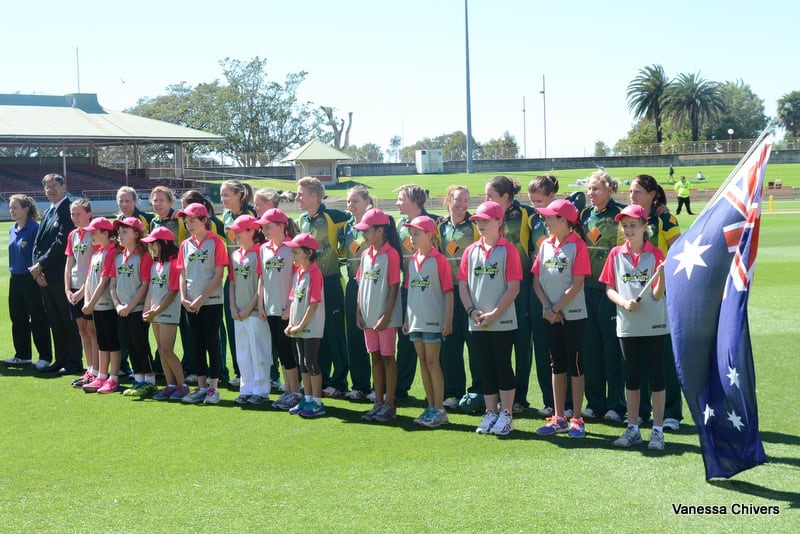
83	463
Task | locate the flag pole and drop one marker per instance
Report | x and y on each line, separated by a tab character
764	133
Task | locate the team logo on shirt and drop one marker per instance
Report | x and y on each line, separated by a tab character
299	294
79	248
491	270
422	282
160	280
244	271
275	262
126	269
636	277
557	262
199	254
96	265
374	275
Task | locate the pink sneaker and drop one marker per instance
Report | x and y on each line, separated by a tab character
94	385
111	386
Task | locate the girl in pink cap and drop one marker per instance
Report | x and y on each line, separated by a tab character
379	312
489	275
97	301
560	267
641	318
429	313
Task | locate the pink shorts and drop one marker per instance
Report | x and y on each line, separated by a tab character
383	341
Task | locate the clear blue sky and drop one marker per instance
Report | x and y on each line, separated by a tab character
399	66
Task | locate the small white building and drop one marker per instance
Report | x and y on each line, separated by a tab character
430	161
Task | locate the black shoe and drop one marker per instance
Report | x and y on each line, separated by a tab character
70	370
52	368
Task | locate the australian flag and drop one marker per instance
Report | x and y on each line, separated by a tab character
708	275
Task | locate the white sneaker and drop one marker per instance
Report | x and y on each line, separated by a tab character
275	385
588	413
41	364
331	392
450	403
487	422
371	396
672	424
547	411
504	424
354	395
611	415
190	379
656	441
567	414
235	382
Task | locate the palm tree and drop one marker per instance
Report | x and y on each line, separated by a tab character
646	95
692	99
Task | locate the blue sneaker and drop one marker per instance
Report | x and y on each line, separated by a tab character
179	393
196	397
312	409
555	425
426	416
165	393
297	408
576	428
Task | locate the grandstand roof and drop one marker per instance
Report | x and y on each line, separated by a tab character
79	118
315	150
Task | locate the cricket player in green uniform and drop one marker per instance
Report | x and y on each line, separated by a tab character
326	226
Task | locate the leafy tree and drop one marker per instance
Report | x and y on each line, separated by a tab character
394	147
504	148
601	149
260	119
453	145
691	99
646	95
742	110
789	112
366	153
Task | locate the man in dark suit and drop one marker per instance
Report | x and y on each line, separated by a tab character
48	271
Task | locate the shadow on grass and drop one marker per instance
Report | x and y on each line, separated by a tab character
748	488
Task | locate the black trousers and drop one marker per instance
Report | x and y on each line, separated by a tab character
28	318
66	340
684	201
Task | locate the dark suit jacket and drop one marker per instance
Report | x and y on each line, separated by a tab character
51	241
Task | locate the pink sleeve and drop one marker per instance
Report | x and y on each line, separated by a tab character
659	260
394	267
608	276
146	267
220	253
358	273
109	268
315	286
582	264
463	267
68	248
259	267
445	276
513	264
179	264
231	269
174	282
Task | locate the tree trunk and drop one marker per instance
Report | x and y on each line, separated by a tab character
347	133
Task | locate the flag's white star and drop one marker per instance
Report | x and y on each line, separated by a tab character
708	413
691	255
735	420
733	376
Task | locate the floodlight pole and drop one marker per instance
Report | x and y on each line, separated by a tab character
469	111
544	115
524	132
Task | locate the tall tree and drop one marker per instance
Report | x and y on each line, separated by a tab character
366	153
789	112
504	148
742	111
691	99
646	95
394	147
337	125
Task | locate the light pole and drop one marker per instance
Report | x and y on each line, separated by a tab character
469	111
63	165
544	115
730	139
524	132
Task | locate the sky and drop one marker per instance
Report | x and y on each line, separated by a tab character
400	66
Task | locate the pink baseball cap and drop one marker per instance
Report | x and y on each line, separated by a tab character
489	210
274	215
423	222
193	210
561	207
99	223
372	217
634	210
303	240
160	232
244	222
133	222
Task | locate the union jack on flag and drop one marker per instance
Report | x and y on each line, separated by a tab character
708	272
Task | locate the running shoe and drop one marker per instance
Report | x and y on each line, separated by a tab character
165	393
555	425
242	399
195	397
179	393
631	436
576	428
487	422
257	399
504	424
110	386
212	396
387	413
312	409
656	440
370	415
94	385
